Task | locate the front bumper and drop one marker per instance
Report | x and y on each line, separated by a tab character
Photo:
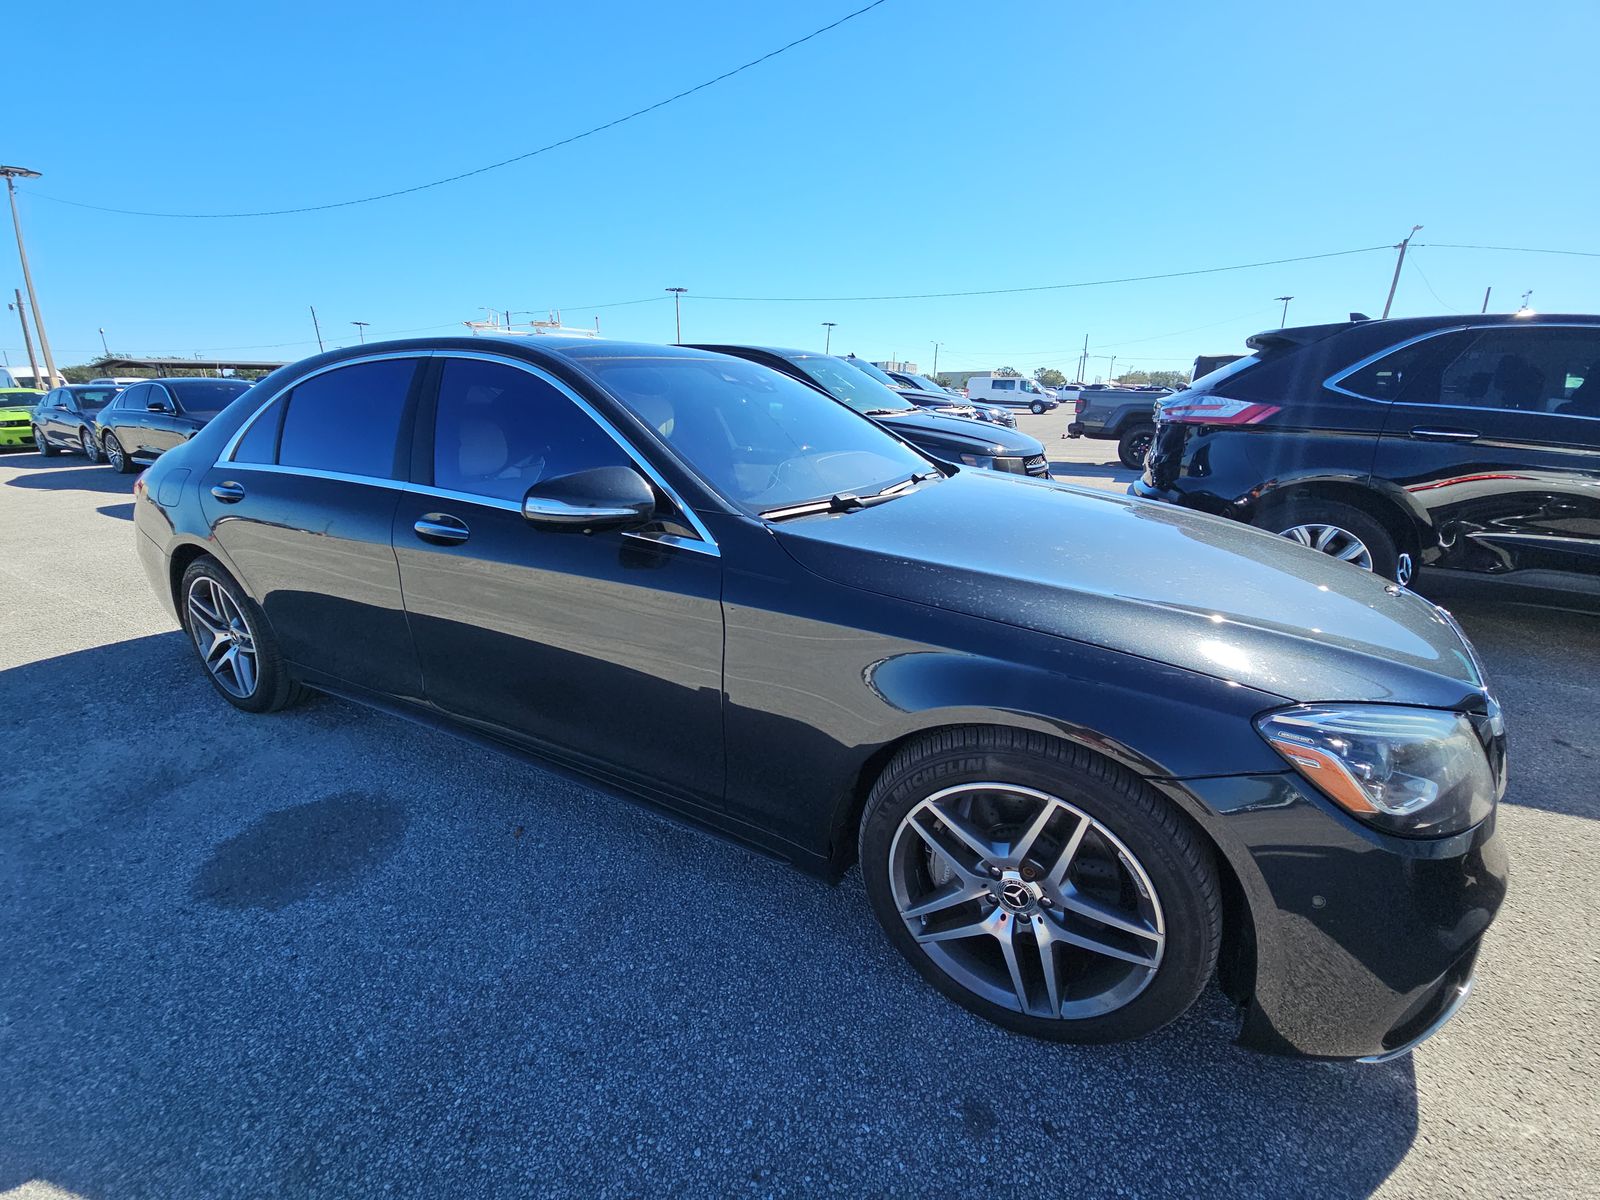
12	436
1351	943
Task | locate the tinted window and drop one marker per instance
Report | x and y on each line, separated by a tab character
501	430
1532	369
1003	385
93	399
860	391
135	398
1384	379
207	397
260	442
760	438
348	420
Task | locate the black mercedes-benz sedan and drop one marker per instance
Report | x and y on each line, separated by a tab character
64	419
952	439
150	418
1089	752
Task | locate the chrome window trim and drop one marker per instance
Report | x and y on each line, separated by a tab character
315	473
707	544
238	435
1333	381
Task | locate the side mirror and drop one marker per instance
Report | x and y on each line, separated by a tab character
586	501
160	406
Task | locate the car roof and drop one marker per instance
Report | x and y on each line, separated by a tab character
1401	327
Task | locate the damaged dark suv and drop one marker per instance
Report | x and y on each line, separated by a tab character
1455	444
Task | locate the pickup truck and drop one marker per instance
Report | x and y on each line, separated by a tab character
1122	415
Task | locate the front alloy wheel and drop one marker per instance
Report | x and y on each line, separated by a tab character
1026	900
90	450
1039	885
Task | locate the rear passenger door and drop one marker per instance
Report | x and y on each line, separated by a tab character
1499	442
302	501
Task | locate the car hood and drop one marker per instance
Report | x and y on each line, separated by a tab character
974	436
12	411
1202	593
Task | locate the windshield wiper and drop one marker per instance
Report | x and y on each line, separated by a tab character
843	502
883	412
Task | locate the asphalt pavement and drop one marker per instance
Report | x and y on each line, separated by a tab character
329	953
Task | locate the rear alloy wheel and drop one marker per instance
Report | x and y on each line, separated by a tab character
1340	531
1133	447
90	450
1039	887
42	446
116	456
235	644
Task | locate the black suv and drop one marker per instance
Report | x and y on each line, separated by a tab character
1467	444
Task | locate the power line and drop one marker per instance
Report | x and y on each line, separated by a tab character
1043	287
1417	267
1510	249
494	166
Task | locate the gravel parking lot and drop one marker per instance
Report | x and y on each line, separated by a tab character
330	953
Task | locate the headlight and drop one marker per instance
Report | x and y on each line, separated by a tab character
1000	463
1421	772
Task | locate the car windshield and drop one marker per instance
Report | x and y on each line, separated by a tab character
924	383
207	397
872	369
761	439
842	381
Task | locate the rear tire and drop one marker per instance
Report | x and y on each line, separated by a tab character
42	446
91	451
1356	536
232	621
1134	446
118	457
1099	840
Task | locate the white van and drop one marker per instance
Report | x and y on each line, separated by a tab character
1011	392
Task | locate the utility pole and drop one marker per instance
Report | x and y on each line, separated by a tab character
1486	292
1083	359
1405	242
317	325
27	338
13	174
677	312
1283	321
361	330
827	337
936	346
1111	371
1526	296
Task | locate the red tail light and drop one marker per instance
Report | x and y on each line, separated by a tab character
1206	409
1079	405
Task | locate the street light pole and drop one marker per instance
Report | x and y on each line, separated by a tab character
1283	321
27	338
361	330
13	174
1399	262
677	313
827	338
103	345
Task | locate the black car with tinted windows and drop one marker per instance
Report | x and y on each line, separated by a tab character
150	418
1083	759
1465	445
921	390
953	439
64	418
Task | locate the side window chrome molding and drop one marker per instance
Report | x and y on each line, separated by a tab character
1333	382
317	473
706	544
226	456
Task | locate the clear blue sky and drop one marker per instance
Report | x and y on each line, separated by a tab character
929	146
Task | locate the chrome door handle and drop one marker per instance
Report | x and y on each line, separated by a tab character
1426	434
442	529
228	493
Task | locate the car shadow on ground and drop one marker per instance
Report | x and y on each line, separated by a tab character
326	950
67	473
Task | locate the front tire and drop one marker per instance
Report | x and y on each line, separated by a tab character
117	456
1040	886
42	446
91	451
235	643
1341	531
1037	407
1134	446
